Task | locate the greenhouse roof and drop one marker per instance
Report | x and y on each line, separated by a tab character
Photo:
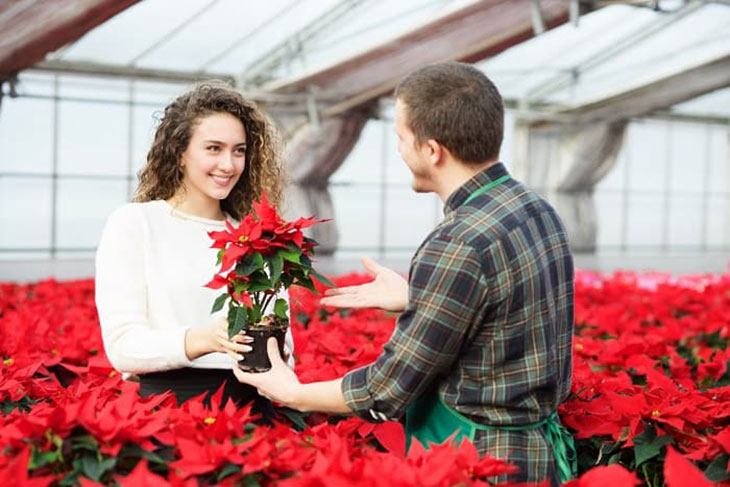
613	51
609	54
270	40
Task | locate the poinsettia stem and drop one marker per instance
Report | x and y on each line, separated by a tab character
267	300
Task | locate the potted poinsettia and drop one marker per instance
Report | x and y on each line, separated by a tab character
258	258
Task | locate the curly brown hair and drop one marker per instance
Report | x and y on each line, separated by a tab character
161	177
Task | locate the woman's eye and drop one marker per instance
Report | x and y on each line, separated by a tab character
213	148
241	151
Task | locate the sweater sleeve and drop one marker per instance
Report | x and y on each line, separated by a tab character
131	343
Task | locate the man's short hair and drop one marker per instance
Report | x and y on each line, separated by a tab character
456	105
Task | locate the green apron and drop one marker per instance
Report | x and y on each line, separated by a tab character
429	420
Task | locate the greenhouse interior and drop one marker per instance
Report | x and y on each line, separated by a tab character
616	113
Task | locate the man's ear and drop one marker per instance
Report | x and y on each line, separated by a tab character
434	151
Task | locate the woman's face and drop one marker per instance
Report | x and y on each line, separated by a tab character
215	157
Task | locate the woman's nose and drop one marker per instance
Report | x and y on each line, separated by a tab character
226	160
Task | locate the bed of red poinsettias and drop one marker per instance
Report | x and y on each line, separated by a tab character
651	399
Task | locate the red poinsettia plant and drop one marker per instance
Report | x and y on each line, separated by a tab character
257	258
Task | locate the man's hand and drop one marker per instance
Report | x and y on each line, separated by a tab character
280	384
388	291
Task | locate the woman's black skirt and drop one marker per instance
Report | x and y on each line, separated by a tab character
190	382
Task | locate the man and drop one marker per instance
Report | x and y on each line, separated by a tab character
482	348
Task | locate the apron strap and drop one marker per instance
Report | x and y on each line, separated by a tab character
563	447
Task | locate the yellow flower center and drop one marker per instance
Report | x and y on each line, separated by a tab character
209	420
243	238
656	413
8	361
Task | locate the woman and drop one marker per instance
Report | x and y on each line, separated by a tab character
214	152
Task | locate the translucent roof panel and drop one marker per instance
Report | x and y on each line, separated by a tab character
371	24
169	34
228	36
715	104
612	50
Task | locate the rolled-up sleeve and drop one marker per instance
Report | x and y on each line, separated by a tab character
446	290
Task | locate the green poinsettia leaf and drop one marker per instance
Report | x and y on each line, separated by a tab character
228	470
250	264
647	446
94	467
219	302
236	319
717	470
298	273
280	308
291	254
276	265
286	280
219	256
259	285
254	315
306	283
299	419
322	279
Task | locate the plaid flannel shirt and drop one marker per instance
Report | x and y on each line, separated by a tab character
488	325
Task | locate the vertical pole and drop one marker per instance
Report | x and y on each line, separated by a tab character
54	168
130	140
667	186
383	190
625	192
706	187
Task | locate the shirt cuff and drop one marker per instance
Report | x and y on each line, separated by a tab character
358	398
175	349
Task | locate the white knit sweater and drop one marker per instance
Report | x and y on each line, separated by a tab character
151	267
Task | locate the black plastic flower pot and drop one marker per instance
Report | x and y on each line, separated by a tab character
257	360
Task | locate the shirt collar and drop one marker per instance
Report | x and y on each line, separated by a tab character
458	197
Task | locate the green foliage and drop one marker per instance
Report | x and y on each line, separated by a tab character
648	446
236	319
219	302
24	404
717	470
281	308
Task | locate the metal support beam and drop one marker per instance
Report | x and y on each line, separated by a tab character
478	30
31	29
538	26
565	79
659	94
129	72
574	12
257	71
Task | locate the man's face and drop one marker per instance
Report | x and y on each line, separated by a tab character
411	152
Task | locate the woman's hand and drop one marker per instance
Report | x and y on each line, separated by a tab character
388	291
214	338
